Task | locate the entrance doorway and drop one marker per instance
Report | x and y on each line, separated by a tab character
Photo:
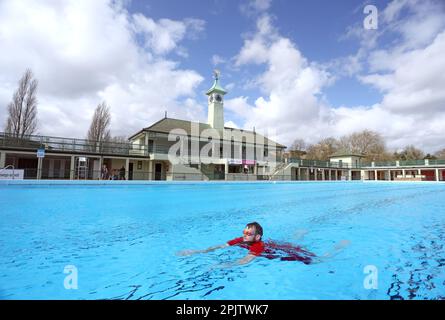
158	171
130	171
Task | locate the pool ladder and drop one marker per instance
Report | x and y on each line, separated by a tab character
9	166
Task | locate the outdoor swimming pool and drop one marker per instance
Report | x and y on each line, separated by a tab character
122	240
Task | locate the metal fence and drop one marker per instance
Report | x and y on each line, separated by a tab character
319	163
436	162
35	142
412	163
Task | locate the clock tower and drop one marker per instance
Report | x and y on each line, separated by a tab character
216	103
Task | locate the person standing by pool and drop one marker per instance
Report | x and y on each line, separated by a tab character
122	173
104	172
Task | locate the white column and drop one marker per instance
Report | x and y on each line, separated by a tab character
437	174
2	159
403	173
39	168
322	175
315	174
101	162
72	167
127	168
375	175
389	175
299	173
150	169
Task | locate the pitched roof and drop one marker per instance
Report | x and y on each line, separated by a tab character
216	88
346	153
165	125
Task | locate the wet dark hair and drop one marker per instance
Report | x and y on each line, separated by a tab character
258	228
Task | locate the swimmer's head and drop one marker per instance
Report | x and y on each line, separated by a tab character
252	232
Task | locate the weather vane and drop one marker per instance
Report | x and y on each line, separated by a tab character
216	74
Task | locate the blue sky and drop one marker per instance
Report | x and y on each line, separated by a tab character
316	27
294	69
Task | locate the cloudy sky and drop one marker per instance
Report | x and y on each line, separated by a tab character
297	69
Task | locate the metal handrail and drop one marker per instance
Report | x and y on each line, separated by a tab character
9	165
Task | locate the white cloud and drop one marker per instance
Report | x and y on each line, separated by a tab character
255	50
422	21
251	7
216	60
239	106
410	74
231	124
83	52
415	81
261	5
291	84
163	36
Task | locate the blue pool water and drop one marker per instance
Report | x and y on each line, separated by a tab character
122	240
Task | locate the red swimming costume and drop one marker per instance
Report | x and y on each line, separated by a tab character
276	250
287	252
255	248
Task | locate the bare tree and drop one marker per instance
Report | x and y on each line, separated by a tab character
297	150
22	111
99	129
368	143
409	153
440	154
298	145
322	150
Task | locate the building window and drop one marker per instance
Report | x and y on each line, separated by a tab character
150	145
266	152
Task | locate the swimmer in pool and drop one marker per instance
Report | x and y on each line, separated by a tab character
252	240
